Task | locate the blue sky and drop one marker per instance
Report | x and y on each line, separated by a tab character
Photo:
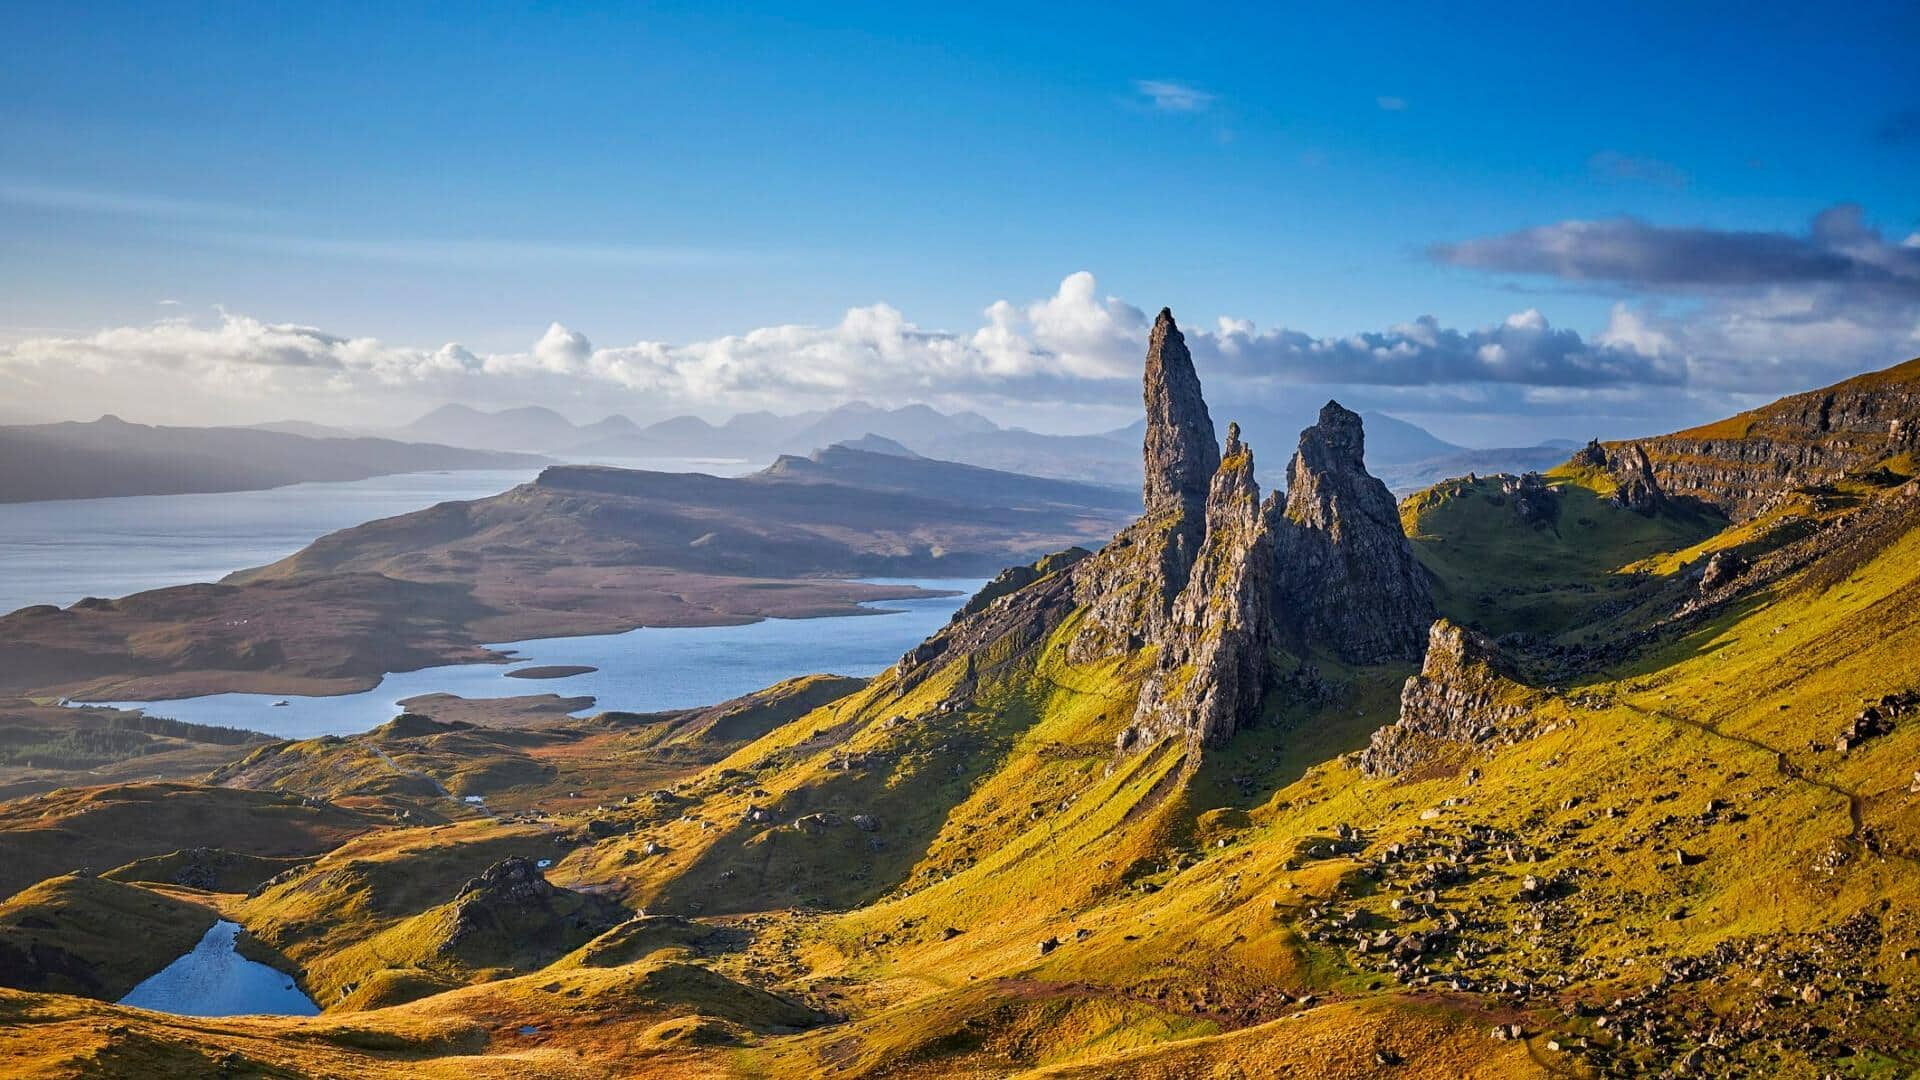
675	175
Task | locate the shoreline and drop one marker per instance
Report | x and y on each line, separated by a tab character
148	693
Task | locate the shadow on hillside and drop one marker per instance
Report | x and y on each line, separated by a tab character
861	822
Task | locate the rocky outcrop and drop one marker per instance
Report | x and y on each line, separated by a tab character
512	908
1130	586
1463	696
1722	568
1008	618
1212	668
1346	577
510	881
1740	465
1532	499
1639	488
1015	578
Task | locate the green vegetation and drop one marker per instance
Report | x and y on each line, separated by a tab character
97	938
1496	571
1692	843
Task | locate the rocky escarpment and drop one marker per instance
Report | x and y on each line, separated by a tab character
1465	695
1741	464
1212	667
1346	575
1638	487
1131	585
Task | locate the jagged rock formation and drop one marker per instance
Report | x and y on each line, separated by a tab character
1346	577
1181	451
1639	489
1464	695
1592	455
1135	578
1212	668
1739	465
1532	499
1211	578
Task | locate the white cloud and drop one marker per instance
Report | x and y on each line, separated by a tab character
1075	349
1391	104
562	351
1760	312
1168	95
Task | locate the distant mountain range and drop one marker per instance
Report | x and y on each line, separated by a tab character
109	457
1404	454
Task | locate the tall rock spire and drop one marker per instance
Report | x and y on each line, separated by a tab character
1129	588
1347	577
1210	674
1181	454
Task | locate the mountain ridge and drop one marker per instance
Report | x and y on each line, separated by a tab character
110	457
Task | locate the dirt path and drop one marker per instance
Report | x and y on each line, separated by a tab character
1857	831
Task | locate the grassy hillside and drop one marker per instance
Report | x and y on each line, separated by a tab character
93	937
1679	835
1499	572
99	828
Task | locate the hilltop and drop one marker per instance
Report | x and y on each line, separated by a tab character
1606	770
579	550
109	457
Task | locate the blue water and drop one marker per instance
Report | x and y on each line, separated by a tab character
57	552
644	670
214	980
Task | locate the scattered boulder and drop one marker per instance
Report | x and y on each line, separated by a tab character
1722	568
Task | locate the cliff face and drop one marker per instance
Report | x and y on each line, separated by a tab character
1639	489
1181	452
1212	668
1131	584
1739	464
1346	575
1463	696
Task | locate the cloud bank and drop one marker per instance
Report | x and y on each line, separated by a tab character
1075	347
1839	248
1703	318
1747	311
